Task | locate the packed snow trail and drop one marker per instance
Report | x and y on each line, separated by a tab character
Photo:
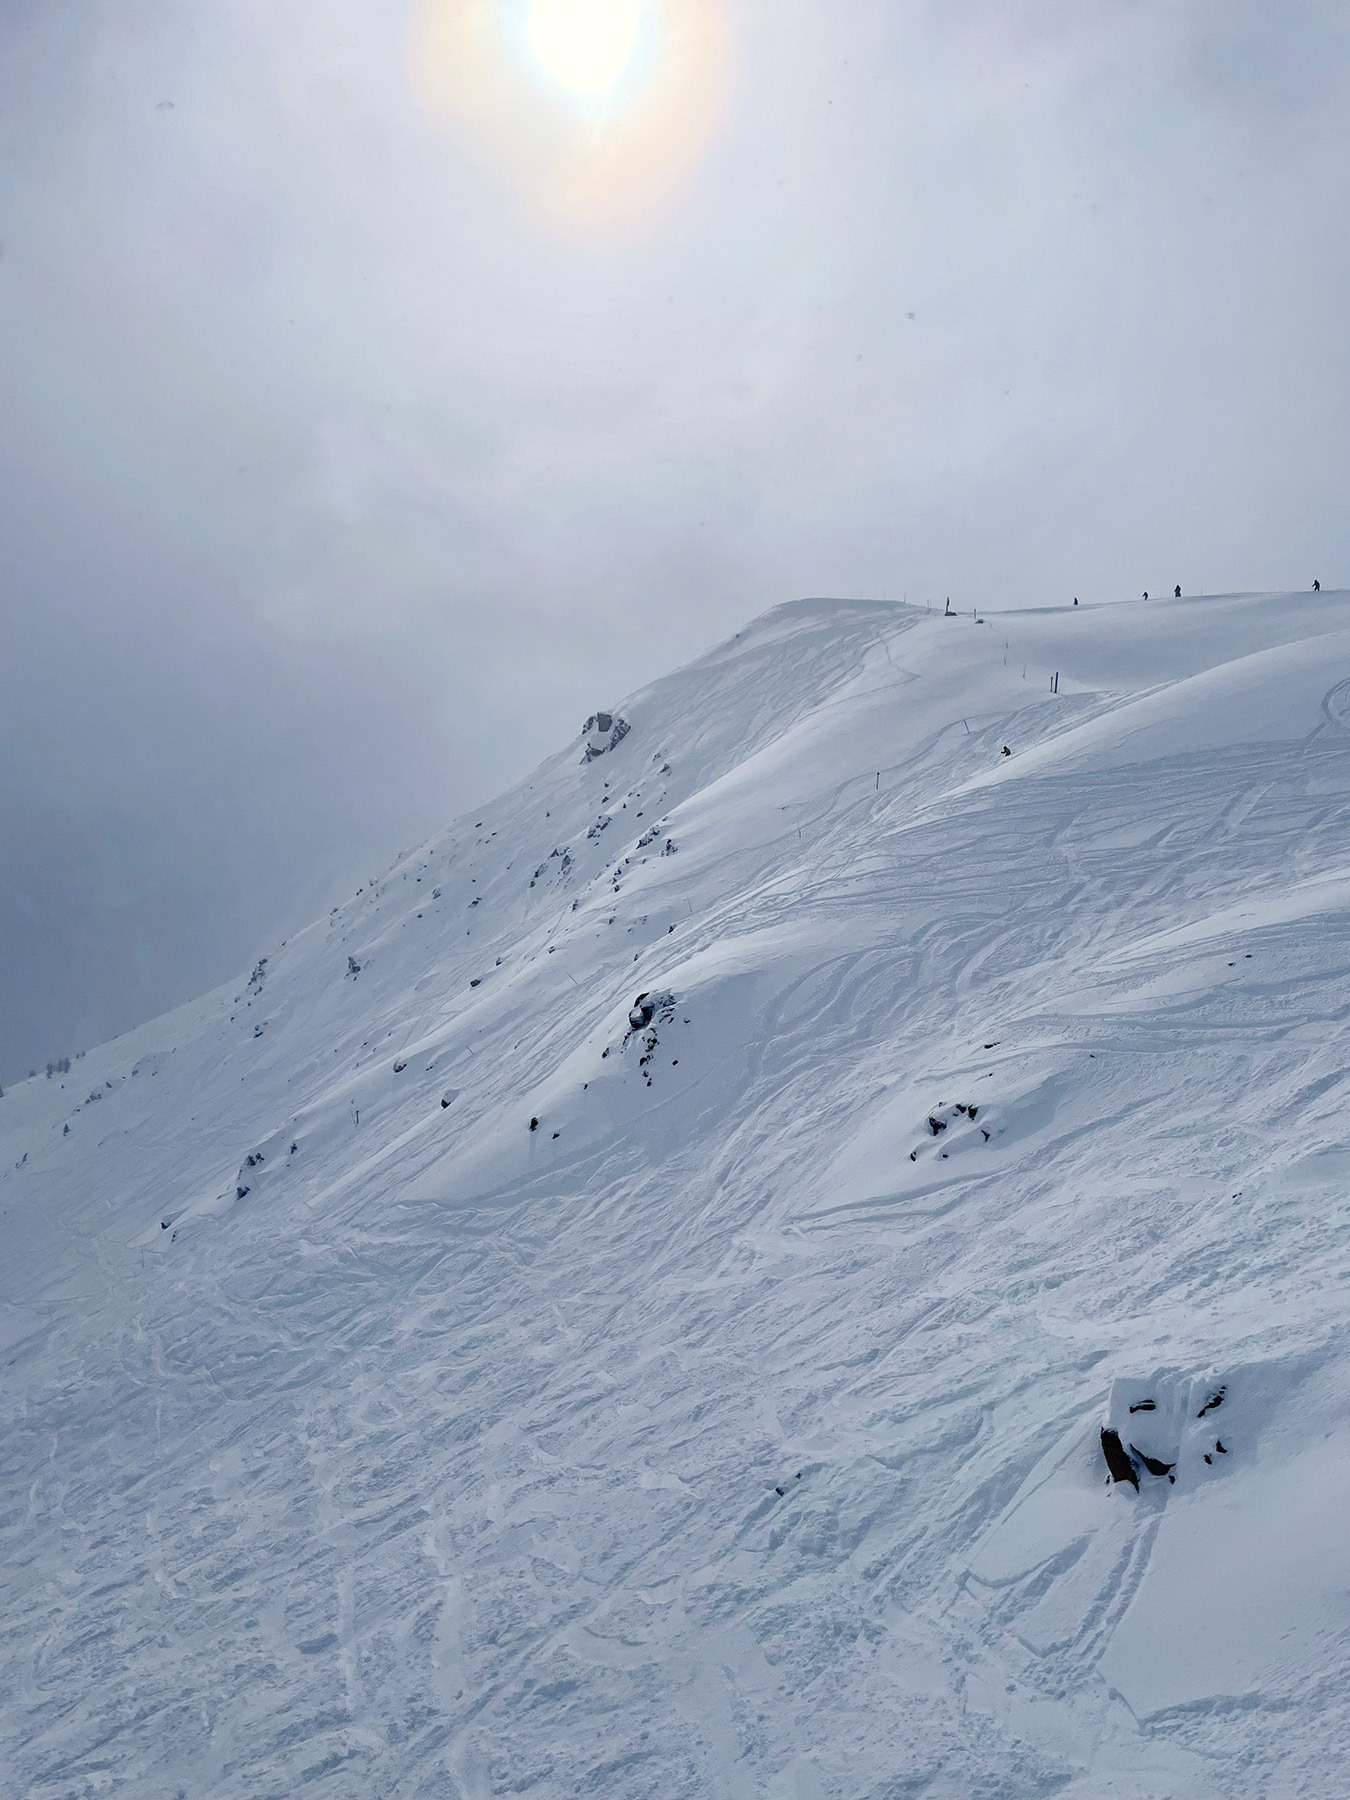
629	1304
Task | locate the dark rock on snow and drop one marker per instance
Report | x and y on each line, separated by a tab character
1118	1462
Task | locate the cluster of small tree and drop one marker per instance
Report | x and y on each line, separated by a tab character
60	1067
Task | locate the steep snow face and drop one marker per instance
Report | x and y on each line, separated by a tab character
629	1304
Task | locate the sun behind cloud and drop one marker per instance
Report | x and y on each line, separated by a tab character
591	109
584	44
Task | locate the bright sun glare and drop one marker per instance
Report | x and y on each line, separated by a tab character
596	109
584	44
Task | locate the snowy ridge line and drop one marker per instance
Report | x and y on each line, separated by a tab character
714	1404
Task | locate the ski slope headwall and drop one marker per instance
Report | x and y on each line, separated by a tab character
630	1302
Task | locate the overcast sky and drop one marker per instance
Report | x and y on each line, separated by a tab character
373	405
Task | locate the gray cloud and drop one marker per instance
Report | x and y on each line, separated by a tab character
341	477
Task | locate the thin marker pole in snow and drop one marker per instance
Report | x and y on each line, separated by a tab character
967	727
878	781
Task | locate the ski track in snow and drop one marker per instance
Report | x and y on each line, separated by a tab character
440	1456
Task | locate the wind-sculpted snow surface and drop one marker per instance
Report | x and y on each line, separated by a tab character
632	1302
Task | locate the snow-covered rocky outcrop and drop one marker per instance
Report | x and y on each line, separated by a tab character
638	1301
603	731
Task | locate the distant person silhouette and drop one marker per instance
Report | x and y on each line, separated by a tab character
1075	599
1176	592
1146	593
1317	587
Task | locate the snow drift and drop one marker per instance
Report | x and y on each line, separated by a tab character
630	1303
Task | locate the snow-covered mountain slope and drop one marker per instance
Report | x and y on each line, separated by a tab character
421	1380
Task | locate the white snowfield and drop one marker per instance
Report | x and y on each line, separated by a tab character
421	1380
